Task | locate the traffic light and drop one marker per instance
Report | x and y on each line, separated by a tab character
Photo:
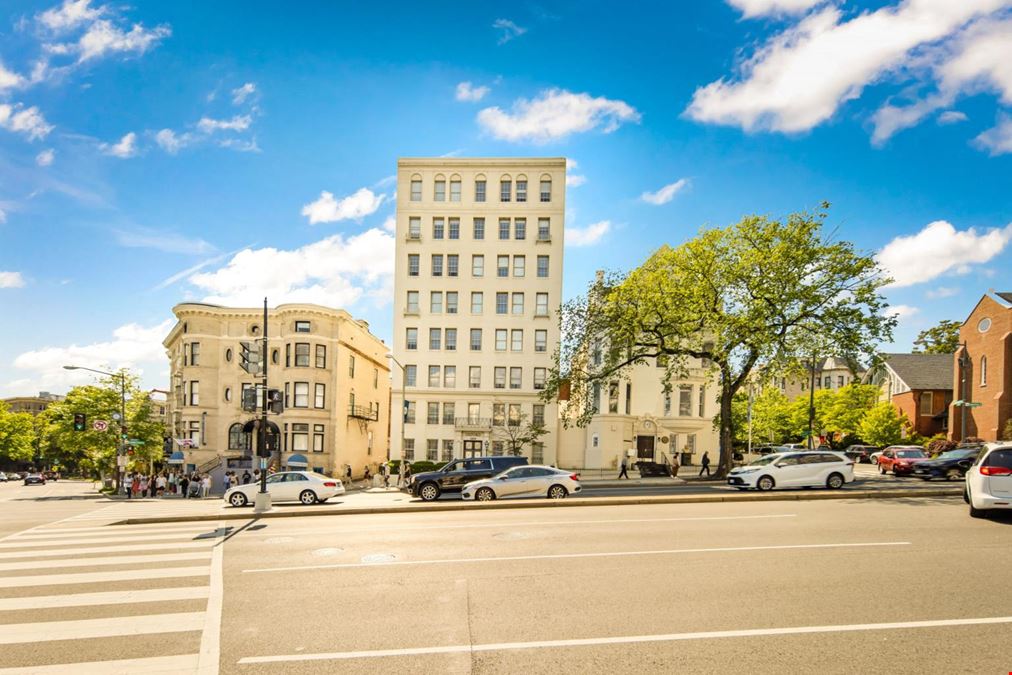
251	399
250	358
80	422
275	401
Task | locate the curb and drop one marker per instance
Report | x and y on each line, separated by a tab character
423	507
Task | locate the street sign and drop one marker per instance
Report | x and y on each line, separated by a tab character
99	425
973	405
115	416
136	441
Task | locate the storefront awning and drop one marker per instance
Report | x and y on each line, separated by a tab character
297	460
177	457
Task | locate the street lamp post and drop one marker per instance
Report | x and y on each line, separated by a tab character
121	451
403	399
964	364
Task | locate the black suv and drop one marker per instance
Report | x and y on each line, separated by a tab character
459	472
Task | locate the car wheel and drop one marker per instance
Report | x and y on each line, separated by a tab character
881	469
966	496
237	500
484	495
307	497
835	481
429	492
974	511
765	483
557	492
953	474
895	472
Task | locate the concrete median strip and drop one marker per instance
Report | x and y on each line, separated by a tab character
428	507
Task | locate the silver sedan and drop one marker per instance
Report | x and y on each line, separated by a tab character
524	481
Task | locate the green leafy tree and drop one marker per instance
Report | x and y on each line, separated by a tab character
848	407
518	436
17	435
755	292
771	420
940	339
883	425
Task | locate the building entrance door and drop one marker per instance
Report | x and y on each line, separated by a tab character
472	448
645	448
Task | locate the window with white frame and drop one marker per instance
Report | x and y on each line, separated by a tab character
437	265
541	340
411	338
538	415
435	302
438	228
432	449
408	452
544	229
702	401
454	189
453	230
410	375
435	338
477	265
474	377
416	189
516	376
546	189
521	189
498	414
505	189
499	377
414	228
433	376
541	306
504	229
439	193
320	395
450	339
432	416
477	302
500	339
451	302
539	377
479	190
449	410
519	265
475	339
452	265
413	265
412	303
537	452
301	395
321	356
517	340
502	301
542	266
410	410
520	228
685	400
502	266
518	304
478	228
513	414
450	377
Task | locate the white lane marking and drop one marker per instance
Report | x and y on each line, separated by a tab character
563	556
64	552
26	543
471	526
112	531
21	633
105	598
114	560
625	639
99	577
157	665
210	638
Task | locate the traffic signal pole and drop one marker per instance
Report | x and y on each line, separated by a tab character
262	502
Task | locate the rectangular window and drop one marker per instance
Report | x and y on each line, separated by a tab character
435	338
411	338
301	326
546	190
410	375
498	447
521	191
450	339
194	353
502	303
517	340
454	229
433	376
518	303
515	377
502	266
473	412
702	401
300	438
500	339
450	377
437	228
690	442
449	410
539	378
416	190
454	190
537	453
541	340
542	266
194	392
412	303
519	265
301	354
926	404
409	449
538	416
685	400
477	265
477	302
504	229
414	228
432	450
409	412
479	228
317	438
613	397
541	307
452	264
498	414
628	398
544	229
413	265
829	382
432	416
513	415
520	228
667	404
505	188
320	396
474	377
439	193
499	377
321	356
301	395
475	339
435	301
839	381
451	302
437	265
351	365
479	190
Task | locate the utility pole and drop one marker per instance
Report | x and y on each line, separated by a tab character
263	499
964	362
811	406
750	418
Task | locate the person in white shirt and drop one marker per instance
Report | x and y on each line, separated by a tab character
205	486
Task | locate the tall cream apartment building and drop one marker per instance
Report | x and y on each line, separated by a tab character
334	374
478	282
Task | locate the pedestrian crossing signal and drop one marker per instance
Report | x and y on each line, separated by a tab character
79	422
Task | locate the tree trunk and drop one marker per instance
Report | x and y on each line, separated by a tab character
726	431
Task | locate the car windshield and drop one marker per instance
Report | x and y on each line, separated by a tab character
762	461
910	453
957	454
449	467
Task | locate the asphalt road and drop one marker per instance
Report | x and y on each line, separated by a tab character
907	585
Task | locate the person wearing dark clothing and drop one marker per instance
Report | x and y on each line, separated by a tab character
246	478
706	464
625	468
184	483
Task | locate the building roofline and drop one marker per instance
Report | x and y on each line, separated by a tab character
555	162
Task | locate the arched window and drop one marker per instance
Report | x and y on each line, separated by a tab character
546	188
237	440
983	371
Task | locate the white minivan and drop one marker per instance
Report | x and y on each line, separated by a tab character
989	480
794	469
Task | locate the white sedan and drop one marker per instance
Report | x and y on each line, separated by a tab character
989	480
307	487
524	481
794	469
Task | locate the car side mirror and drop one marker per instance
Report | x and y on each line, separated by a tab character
779	464
503	477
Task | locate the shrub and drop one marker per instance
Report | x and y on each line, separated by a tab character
937	446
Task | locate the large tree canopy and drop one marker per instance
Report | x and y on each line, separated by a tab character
758	291
17	435
940	339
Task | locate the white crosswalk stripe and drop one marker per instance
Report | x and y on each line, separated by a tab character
56	570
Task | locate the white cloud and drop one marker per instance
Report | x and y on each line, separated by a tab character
167	242
356	206
240	94
172	142
952	117
127	147
798	78
998	139
468	92
753	8
666	193
102	38
390	224
554	115
937	249
46	157
11	280
573	179
3	216
941	292
587	236
239	145
509	30
902	311
9	79
131	346
28	121
237	123
334	271
70	15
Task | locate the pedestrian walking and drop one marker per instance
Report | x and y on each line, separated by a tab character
142	486
205	486
184	485
706	464
401	468
347	474
385	472
227	480
407	473
256	475
367	475
128	480
246	477
625	468
160	485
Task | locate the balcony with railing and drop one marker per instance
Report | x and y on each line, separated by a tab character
363	413
472	424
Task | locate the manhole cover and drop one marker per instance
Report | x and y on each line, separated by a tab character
510	536
324	552
279	540
379	558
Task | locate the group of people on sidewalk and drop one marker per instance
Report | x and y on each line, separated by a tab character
403	474
166	483
704	466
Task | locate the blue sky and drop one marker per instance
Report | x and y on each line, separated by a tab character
160	152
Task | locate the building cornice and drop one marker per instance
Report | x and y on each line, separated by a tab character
478	162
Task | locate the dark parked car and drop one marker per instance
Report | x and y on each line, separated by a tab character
35	479
453	476
951	465
861	453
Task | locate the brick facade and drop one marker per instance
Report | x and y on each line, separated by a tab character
989	373
924	422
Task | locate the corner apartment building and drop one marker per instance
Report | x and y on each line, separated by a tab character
332	370
478	281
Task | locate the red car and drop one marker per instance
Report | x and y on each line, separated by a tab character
900	459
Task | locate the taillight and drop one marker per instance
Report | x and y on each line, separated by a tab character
995	471
575	476
330	485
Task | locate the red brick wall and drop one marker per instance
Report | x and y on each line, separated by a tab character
908	404
995	344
